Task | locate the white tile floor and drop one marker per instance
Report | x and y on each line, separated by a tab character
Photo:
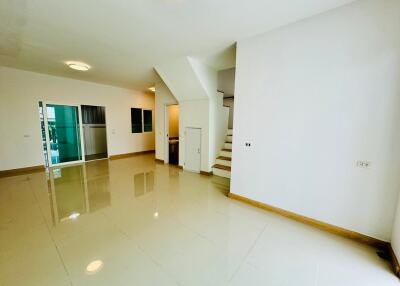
151	224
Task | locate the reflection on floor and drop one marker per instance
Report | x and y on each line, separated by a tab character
73	192
144	183
135	222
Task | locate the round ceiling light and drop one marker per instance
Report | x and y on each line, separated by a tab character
79	66
94	266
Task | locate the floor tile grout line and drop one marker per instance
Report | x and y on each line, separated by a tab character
193	230
141	249
51	236
203	236
214	243
158	264
248	253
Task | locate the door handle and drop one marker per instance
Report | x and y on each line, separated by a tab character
198	150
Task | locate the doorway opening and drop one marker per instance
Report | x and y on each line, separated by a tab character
72	133
94	132
61	133
172	130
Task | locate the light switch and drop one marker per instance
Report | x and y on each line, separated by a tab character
363	164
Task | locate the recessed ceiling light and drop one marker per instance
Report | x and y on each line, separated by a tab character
78	66
152	89
94	266
156	215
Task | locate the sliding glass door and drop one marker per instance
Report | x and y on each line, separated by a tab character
63	133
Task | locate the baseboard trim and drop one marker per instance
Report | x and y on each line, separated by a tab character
159	161
21	171
315	223
393	260
127	155
206	173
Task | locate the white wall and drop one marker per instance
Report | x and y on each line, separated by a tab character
313	98
194	85
226	84
226	81
206	76
20	92
195	113
192	113
230	103
219	115
163	98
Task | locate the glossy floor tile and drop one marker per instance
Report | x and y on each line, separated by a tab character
135	222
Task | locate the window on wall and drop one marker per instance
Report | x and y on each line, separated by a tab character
136	120
147	121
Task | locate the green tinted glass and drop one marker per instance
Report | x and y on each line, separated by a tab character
64	133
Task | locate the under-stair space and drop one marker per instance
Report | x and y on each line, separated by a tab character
222	167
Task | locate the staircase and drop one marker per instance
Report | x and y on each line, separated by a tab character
222	167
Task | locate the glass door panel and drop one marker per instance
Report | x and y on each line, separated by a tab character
64	140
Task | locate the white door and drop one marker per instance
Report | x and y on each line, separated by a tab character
193	149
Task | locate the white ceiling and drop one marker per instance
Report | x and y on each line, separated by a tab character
124	39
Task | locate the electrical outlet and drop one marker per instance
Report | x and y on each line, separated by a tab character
363	164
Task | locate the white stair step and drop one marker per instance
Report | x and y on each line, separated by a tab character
221	173
223	162
225	153
228	138
228	145
230	131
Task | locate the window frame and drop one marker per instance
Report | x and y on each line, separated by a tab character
133	131
151	120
